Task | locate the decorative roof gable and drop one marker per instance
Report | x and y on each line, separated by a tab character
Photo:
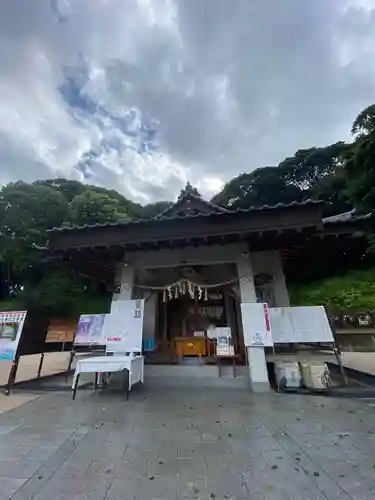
190	202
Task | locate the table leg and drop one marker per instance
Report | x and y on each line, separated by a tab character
71	358
96	381
127	383
234	366
75	386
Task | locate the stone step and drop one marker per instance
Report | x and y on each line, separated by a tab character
195	376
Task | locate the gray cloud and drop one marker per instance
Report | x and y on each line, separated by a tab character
141	95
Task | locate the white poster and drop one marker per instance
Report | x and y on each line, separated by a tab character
300	325
281	324
256	325
310	324
90	330
124	326
11	325
224	346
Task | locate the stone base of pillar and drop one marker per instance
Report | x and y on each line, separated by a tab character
259	386
258	374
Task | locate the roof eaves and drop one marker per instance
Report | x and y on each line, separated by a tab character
346	217
190	216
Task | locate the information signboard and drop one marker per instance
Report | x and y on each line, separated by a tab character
124	326
11	325
256	325
61	330
300	325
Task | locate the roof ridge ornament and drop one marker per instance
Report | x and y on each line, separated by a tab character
189	190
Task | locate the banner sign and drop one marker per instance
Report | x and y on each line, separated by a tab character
256	325
11	325
124	326
90	330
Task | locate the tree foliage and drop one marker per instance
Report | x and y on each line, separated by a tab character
26	212
263	186
352	292
92	207
316	173
360	161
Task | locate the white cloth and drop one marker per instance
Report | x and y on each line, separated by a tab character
106	364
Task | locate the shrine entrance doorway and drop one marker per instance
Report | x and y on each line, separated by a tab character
201	299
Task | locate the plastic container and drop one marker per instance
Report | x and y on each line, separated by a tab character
316	375
288	374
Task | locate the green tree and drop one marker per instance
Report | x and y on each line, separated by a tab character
62	292
133	210
332	189
360	163
309	166
26	211
316	173
353	291
68	188
263	186
93	207
151	210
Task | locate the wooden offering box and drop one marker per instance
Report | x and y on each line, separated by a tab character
190	346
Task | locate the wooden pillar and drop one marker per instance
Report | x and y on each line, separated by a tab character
165	327
230	320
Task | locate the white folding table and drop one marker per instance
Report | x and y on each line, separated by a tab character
108	364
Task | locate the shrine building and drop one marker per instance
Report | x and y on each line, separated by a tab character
196	262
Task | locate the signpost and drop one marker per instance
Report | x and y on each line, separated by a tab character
11	326
256	325
124	326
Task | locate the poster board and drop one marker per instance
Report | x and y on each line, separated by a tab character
300	325
256	325
310	325
281	325
90	330
11	326
124	326
224	346
61	330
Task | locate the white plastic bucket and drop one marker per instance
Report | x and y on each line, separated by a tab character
288	374
316	375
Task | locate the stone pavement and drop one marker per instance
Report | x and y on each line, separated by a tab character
188	444
15	401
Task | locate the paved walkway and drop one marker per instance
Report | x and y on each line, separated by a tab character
361	361
185	444
18	399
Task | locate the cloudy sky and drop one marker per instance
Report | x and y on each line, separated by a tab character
143	95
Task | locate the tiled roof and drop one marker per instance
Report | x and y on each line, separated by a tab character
162	217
